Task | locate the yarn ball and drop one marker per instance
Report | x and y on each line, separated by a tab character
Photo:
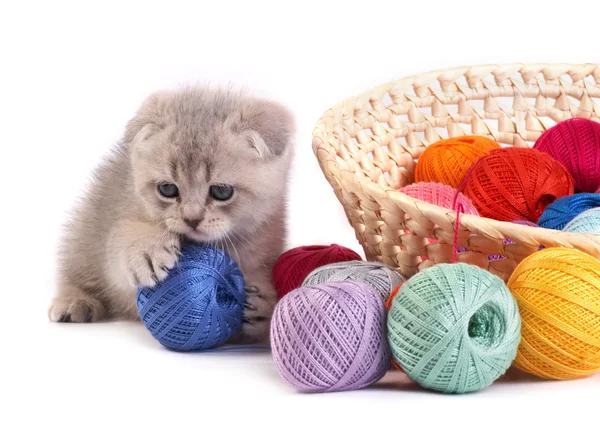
199	305
448	161
440	195
454	328
576	144
558	292
383	278
294	265
508	241
565	209
516	184
587	222
330	337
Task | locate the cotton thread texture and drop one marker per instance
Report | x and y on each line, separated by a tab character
330	337
558	292
558	214
448	161
440	195
516	184
199	305
454	328
381	277
294	265
587	222
576	144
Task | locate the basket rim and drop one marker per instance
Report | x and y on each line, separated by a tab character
334	170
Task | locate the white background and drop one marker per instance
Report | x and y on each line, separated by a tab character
71	75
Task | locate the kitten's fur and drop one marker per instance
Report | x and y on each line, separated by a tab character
124	234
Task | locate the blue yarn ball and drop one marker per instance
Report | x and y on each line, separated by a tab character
565	209
199	305
587	222
454	328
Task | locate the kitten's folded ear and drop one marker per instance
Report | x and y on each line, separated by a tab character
269	125
146	121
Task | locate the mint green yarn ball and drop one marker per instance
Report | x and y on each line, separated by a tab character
454	328
587	222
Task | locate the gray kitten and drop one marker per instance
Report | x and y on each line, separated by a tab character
207	165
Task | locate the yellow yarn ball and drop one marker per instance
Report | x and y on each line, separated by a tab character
558	293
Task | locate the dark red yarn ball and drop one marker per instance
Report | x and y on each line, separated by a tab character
516	184
294	265
575	143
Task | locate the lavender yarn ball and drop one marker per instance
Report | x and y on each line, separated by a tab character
382	277
330	337
587	222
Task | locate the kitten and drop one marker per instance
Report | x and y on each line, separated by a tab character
206	165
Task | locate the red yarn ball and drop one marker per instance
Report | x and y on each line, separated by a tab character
294	265
575	143
516	184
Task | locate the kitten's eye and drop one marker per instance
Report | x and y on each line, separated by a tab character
221	192
168	190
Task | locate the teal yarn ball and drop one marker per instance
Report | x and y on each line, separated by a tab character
454	328
587	222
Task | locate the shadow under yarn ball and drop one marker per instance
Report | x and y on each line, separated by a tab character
200	303
454	328
330	337
558	214
587	222
383	278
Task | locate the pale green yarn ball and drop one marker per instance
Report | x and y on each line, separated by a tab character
454	328
587	222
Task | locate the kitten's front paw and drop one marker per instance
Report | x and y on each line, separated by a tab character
72	305
147	262
258	311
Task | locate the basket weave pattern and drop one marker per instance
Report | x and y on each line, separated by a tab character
368	145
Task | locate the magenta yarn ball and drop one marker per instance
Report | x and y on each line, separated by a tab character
330	337
576	144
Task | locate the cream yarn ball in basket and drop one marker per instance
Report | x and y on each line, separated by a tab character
368	146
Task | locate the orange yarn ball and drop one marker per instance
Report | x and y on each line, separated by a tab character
448	161
516	184
558	293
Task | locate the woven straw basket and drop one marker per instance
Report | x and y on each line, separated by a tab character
368	146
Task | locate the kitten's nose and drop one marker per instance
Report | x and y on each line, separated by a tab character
192	223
